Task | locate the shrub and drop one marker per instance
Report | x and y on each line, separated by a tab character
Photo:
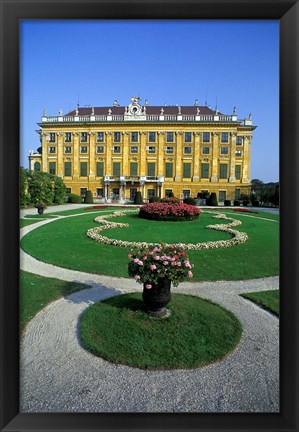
88	198
154	199
245	203
169	212
255	203
190	201
138	198
236	202
75	199
227	203
212	200
170	200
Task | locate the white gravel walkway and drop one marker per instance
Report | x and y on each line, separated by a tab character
58	375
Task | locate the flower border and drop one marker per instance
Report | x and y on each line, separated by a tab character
238	237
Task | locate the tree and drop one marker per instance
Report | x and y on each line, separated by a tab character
24	196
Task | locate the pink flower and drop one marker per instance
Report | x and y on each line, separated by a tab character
158	271
173	263
148	286
129	255
179	263
144	258
136	260
153	267
156	257
190	274
136	277
165	263
187	264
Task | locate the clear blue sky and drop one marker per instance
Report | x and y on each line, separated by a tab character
165	62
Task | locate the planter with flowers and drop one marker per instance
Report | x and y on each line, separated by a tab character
157	267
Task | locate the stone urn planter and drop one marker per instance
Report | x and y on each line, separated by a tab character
41	206
157	297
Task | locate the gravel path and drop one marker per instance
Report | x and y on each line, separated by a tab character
58	375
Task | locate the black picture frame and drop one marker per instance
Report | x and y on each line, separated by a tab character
287	12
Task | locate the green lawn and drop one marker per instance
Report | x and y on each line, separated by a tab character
37	291
64	243
268	300
196	333
24	222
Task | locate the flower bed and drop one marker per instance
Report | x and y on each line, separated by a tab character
245	210
237	236
163	211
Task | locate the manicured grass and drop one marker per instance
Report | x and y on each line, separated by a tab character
196	333
41	216
37	291
24	222
268	300
83	210
64	243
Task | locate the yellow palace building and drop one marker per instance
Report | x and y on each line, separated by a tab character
119	150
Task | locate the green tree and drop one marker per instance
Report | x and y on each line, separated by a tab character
24	195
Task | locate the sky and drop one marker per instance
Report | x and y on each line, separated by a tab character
167	62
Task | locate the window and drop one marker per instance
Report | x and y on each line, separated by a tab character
237	194
186	193
152	149
223	171
206	150
100	137
52	136
151	169
115	193
68	190
134	136
151	193
83	192
169	150
83	136
116	168
100	192
52	167
224	137
188	137
204	170
238	172
83	149
83	169
100	169
133	168
224	150
67	149
238	152
239	140
100	149
133	193
170	137
206	136
68	137
134	149
152	137
187	150
36	166
52	149
222	196
168	192
116	149
67	168
168	169
186	170
116	137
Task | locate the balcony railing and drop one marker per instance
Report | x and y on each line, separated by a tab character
148	118
133	179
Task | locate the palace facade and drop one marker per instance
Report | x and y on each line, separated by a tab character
119	150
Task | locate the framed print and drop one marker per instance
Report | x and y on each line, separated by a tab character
156	159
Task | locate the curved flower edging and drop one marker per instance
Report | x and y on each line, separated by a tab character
237	236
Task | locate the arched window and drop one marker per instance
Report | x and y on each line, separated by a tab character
36	166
